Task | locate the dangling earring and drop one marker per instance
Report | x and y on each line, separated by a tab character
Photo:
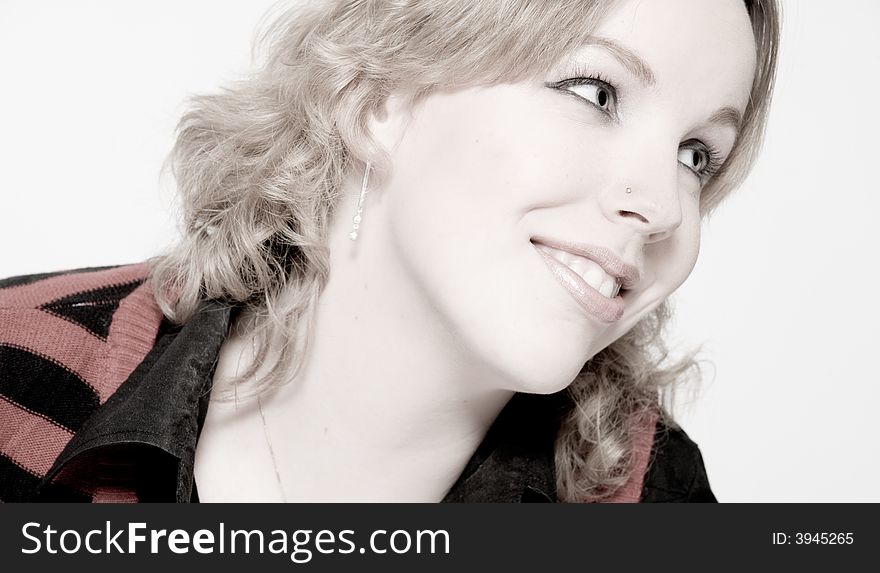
356	221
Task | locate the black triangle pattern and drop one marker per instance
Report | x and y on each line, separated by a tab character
24	376
93	309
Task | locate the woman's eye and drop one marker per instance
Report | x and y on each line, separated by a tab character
703	159
597	92
694	159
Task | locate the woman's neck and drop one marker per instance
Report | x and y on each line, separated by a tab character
388	404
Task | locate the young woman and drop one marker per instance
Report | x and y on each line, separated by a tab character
426	256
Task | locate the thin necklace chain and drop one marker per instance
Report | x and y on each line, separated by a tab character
271	451
266	430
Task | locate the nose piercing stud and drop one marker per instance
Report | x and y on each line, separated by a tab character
629	190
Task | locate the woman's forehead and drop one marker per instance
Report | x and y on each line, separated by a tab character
706	44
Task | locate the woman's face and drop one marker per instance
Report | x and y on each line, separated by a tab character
491	186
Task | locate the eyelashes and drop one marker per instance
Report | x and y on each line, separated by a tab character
705	161
605	95
701	158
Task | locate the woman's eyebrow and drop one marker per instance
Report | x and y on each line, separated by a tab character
629	59
727	116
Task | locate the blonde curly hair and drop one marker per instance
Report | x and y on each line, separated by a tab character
259	167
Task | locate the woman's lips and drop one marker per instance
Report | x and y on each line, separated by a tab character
605	309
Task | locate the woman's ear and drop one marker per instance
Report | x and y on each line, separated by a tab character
388	121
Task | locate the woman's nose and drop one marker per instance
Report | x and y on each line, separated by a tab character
646	199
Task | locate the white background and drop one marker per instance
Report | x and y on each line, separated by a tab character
781	298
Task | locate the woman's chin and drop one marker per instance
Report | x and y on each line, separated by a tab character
543	374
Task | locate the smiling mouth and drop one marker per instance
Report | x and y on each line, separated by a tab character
591	273
596	291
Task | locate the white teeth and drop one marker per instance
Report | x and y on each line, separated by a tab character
607	286
566	259
594	276
591	272
616	290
